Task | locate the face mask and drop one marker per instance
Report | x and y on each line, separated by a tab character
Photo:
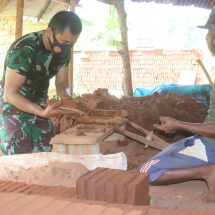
65	48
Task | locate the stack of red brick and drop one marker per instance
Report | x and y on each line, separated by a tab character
114	186
103	69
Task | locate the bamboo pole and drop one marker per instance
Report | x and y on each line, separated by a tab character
71	64
208	76
19	18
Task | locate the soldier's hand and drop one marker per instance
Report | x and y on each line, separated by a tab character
51	109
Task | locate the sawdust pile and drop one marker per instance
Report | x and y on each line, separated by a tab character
145	111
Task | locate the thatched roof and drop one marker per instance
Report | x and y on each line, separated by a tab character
47	8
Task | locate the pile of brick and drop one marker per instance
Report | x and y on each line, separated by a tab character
114	186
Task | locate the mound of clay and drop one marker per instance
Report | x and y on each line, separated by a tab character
55	174
144	111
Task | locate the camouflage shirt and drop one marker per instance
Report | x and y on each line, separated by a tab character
28	56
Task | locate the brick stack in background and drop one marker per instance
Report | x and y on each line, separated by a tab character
114	186
103	69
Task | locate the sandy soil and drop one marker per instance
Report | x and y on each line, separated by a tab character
55	174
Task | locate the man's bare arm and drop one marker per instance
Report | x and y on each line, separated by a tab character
170	125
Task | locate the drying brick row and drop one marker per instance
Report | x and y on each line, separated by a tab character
114	186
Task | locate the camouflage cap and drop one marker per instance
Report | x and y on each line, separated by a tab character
210	24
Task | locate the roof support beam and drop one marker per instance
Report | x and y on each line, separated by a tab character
19	18
71	64
107	1
43	11
124	50
3	4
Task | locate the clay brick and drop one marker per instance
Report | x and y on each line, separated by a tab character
154	211
26	207
176	212
197	212
135	210
8	197
5	186
35	189
100	185
110	187
120	187
95	209
113	210
57	206
13	206
74	208
81	188
91	184
114	186
14	187
210	212
137	191
23	189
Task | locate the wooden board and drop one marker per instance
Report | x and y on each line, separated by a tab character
83	134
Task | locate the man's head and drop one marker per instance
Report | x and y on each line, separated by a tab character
63	31
210	25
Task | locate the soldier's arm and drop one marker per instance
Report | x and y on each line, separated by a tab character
61	83
13	84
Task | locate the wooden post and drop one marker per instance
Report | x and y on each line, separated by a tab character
124	52
71	64
19	18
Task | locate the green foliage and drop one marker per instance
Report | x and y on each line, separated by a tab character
55	97
112	23
86	22
75	95
111	36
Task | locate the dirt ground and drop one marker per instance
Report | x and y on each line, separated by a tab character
54	174
183	195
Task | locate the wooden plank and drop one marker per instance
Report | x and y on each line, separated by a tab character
72	110
74	140
71	63
100	120
4	4
44	9
141	139
109	113
19	18
206	72
146	132
78	136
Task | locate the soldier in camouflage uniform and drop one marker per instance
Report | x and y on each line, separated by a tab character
30	63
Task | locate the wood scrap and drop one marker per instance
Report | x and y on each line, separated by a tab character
141	139
206	72
72	110
146	132
109	113
74	136
100	120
